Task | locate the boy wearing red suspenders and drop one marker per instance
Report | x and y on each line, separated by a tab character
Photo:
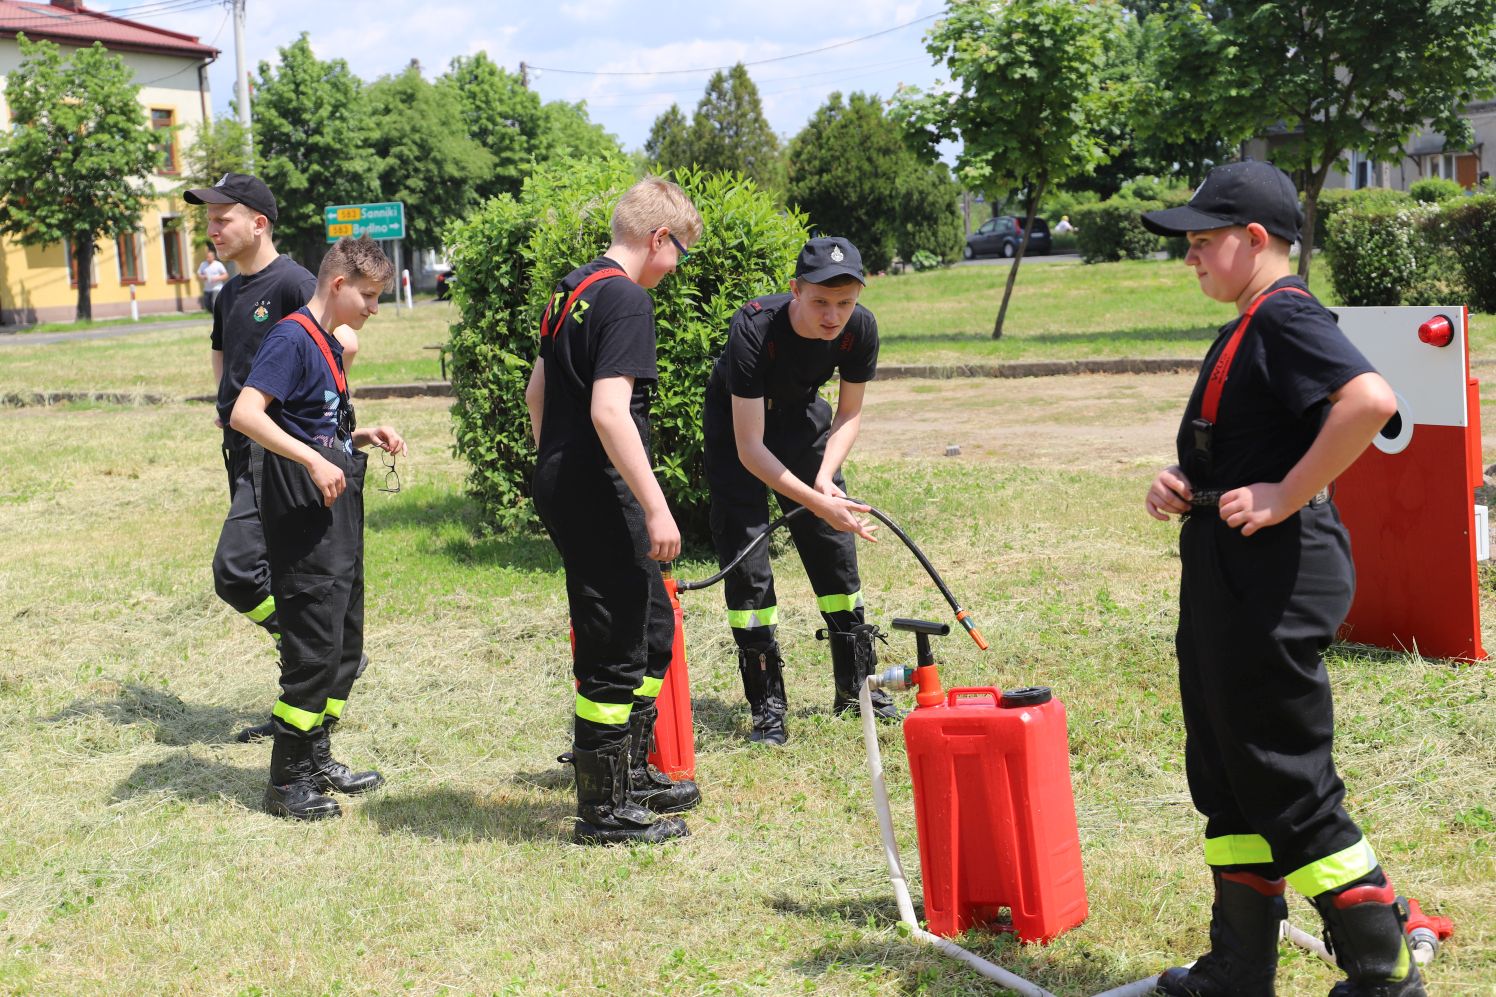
595	491
1284	403
295	405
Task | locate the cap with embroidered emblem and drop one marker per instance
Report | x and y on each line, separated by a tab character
828	257
1235	194
236	188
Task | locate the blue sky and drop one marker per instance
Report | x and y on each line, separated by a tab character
618	36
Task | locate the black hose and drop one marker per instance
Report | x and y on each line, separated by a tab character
961	615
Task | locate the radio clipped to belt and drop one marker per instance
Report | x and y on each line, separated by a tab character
346	421
1199	463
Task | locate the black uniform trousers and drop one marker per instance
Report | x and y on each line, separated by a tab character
623	625
241	569
740	512
317	576
1255	616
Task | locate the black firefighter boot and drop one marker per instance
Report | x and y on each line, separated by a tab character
1365	927
763	684
648	786
854	656
605	813
291	792
332	776
266	729
1245	921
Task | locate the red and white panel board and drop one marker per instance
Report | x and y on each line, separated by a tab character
1408	501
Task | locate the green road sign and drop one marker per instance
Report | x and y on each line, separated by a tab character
377	221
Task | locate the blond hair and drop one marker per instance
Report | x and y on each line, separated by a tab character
655	203
356	259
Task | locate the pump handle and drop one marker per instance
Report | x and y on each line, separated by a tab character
921	626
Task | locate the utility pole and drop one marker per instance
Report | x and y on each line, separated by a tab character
241	83
524	76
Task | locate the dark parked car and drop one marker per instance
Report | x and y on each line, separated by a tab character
1001	236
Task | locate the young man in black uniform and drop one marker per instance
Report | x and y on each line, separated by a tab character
295	405
766	425
268	287
1283	404
589	399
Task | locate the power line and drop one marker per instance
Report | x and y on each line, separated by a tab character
757	62
845	72
142	10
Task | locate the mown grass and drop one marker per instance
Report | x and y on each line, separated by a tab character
1060	310
134	859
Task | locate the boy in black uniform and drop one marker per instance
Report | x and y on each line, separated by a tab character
295	405
589	399
267	288
766	424
1284	403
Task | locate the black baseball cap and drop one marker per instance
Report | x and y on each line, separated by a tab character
237	188
825	258
1236	194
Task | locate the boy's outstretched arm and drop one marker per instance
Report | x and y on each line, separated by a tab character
620	438
250	418
1358	410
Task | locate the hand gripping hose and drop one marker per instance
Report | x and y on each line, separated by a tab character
962	616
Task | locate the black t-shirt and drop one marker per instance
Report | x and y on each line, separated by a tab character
1290	360
609	332
291	368
765	358
248	307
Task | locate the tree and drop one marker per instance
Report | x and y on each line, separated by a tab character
313	144
730	133
502	116
571	134
76	163
1028	98
669	144
1336	76
851	171
426	158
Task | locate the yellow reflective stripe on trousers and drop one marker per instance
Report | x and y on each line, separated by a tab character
300	719
649	688
603	713
840	603
752	619
1345	866
335	708
262	612
1238	849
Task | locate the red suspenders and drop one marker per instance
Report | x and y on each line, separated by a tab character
588	281
338	376
1211	402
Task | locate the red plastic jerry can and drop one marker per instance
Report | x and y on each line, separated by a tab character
674	751
996	814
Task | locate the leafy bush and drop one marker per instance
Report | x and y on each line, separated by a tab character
1340	198
1378	252
1470	229
924	260
1060	203
1432	190
513	251
1111	230
1063	242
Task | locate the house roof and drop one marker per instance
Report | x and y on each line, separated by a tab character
82	27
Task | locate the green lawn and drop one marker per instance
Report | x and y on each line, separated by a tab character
1147	308
134	858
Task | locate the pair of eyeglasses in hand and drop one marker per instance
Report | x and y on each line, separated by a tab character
390	474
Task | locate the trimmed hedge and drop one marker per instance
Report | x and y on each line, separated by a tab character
1432	190
1376	252
1111	230
1470	232
1339	198
513	251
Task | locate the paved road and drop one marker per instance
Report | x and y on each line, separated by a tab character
987	261
13	338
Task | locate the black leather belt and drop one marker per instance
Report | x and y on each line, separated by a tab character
1206	498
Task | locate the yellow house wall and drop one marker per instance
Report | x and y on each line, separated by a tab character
34	284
